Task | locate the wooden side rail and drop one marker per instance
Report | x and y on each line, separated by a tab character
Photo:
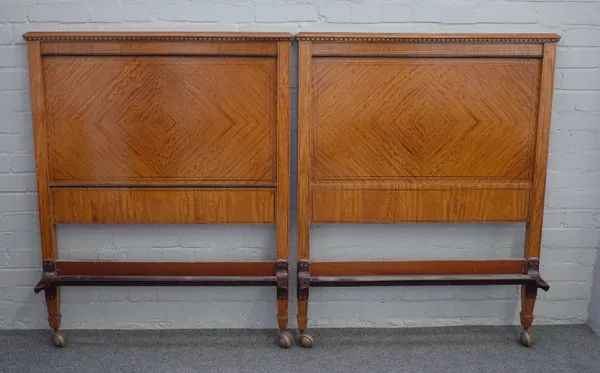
44	284
354	281
92	273
411	268
105	268
419	273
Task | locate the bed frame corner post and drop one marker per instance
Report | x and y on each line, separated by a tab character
43	176
533	232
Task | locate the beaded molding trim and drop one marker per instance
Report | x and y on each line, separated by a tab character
153	38
358	38
400	39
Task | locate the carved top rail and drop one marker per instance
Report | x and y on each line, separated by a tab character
428	38
156	36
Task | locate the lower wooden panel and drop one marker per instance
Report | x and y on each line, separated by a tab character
404	206
163	206
413	268
92	268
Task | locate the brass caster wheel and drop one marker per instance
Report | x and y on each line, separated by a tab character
285	339
306	340
527	338
59	339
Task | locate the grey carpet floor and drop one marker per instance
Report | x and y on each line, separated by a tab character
560	349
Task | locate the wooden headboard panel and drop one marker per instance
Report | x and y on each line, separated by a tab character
422	128
408	128
161	128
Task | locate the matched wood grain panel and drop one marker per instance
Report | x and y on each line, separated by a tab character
161	119
414	268
283	149
533	230
157	47
409	117
38	112
106	268
427	49
163	206
406	206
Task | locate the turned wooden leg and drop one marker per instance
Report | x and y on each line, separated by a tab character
53	307
59	338
285	338
302	314
282	313
305	339
528	298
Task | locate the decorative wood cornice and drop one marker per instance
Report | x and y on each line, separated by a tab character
430	38
311	36
156	36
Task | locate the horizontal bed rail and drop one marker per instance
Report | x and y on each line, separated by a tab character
352	281
419	267
161	269
153	281
104	273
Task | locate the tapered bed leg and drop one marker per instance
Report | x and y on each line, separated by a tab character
302	314
53	307
282	313
285	338
528	297
59	338
305	339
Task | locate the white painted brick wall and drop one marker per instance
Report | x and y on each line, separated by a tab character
571	229
594	308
